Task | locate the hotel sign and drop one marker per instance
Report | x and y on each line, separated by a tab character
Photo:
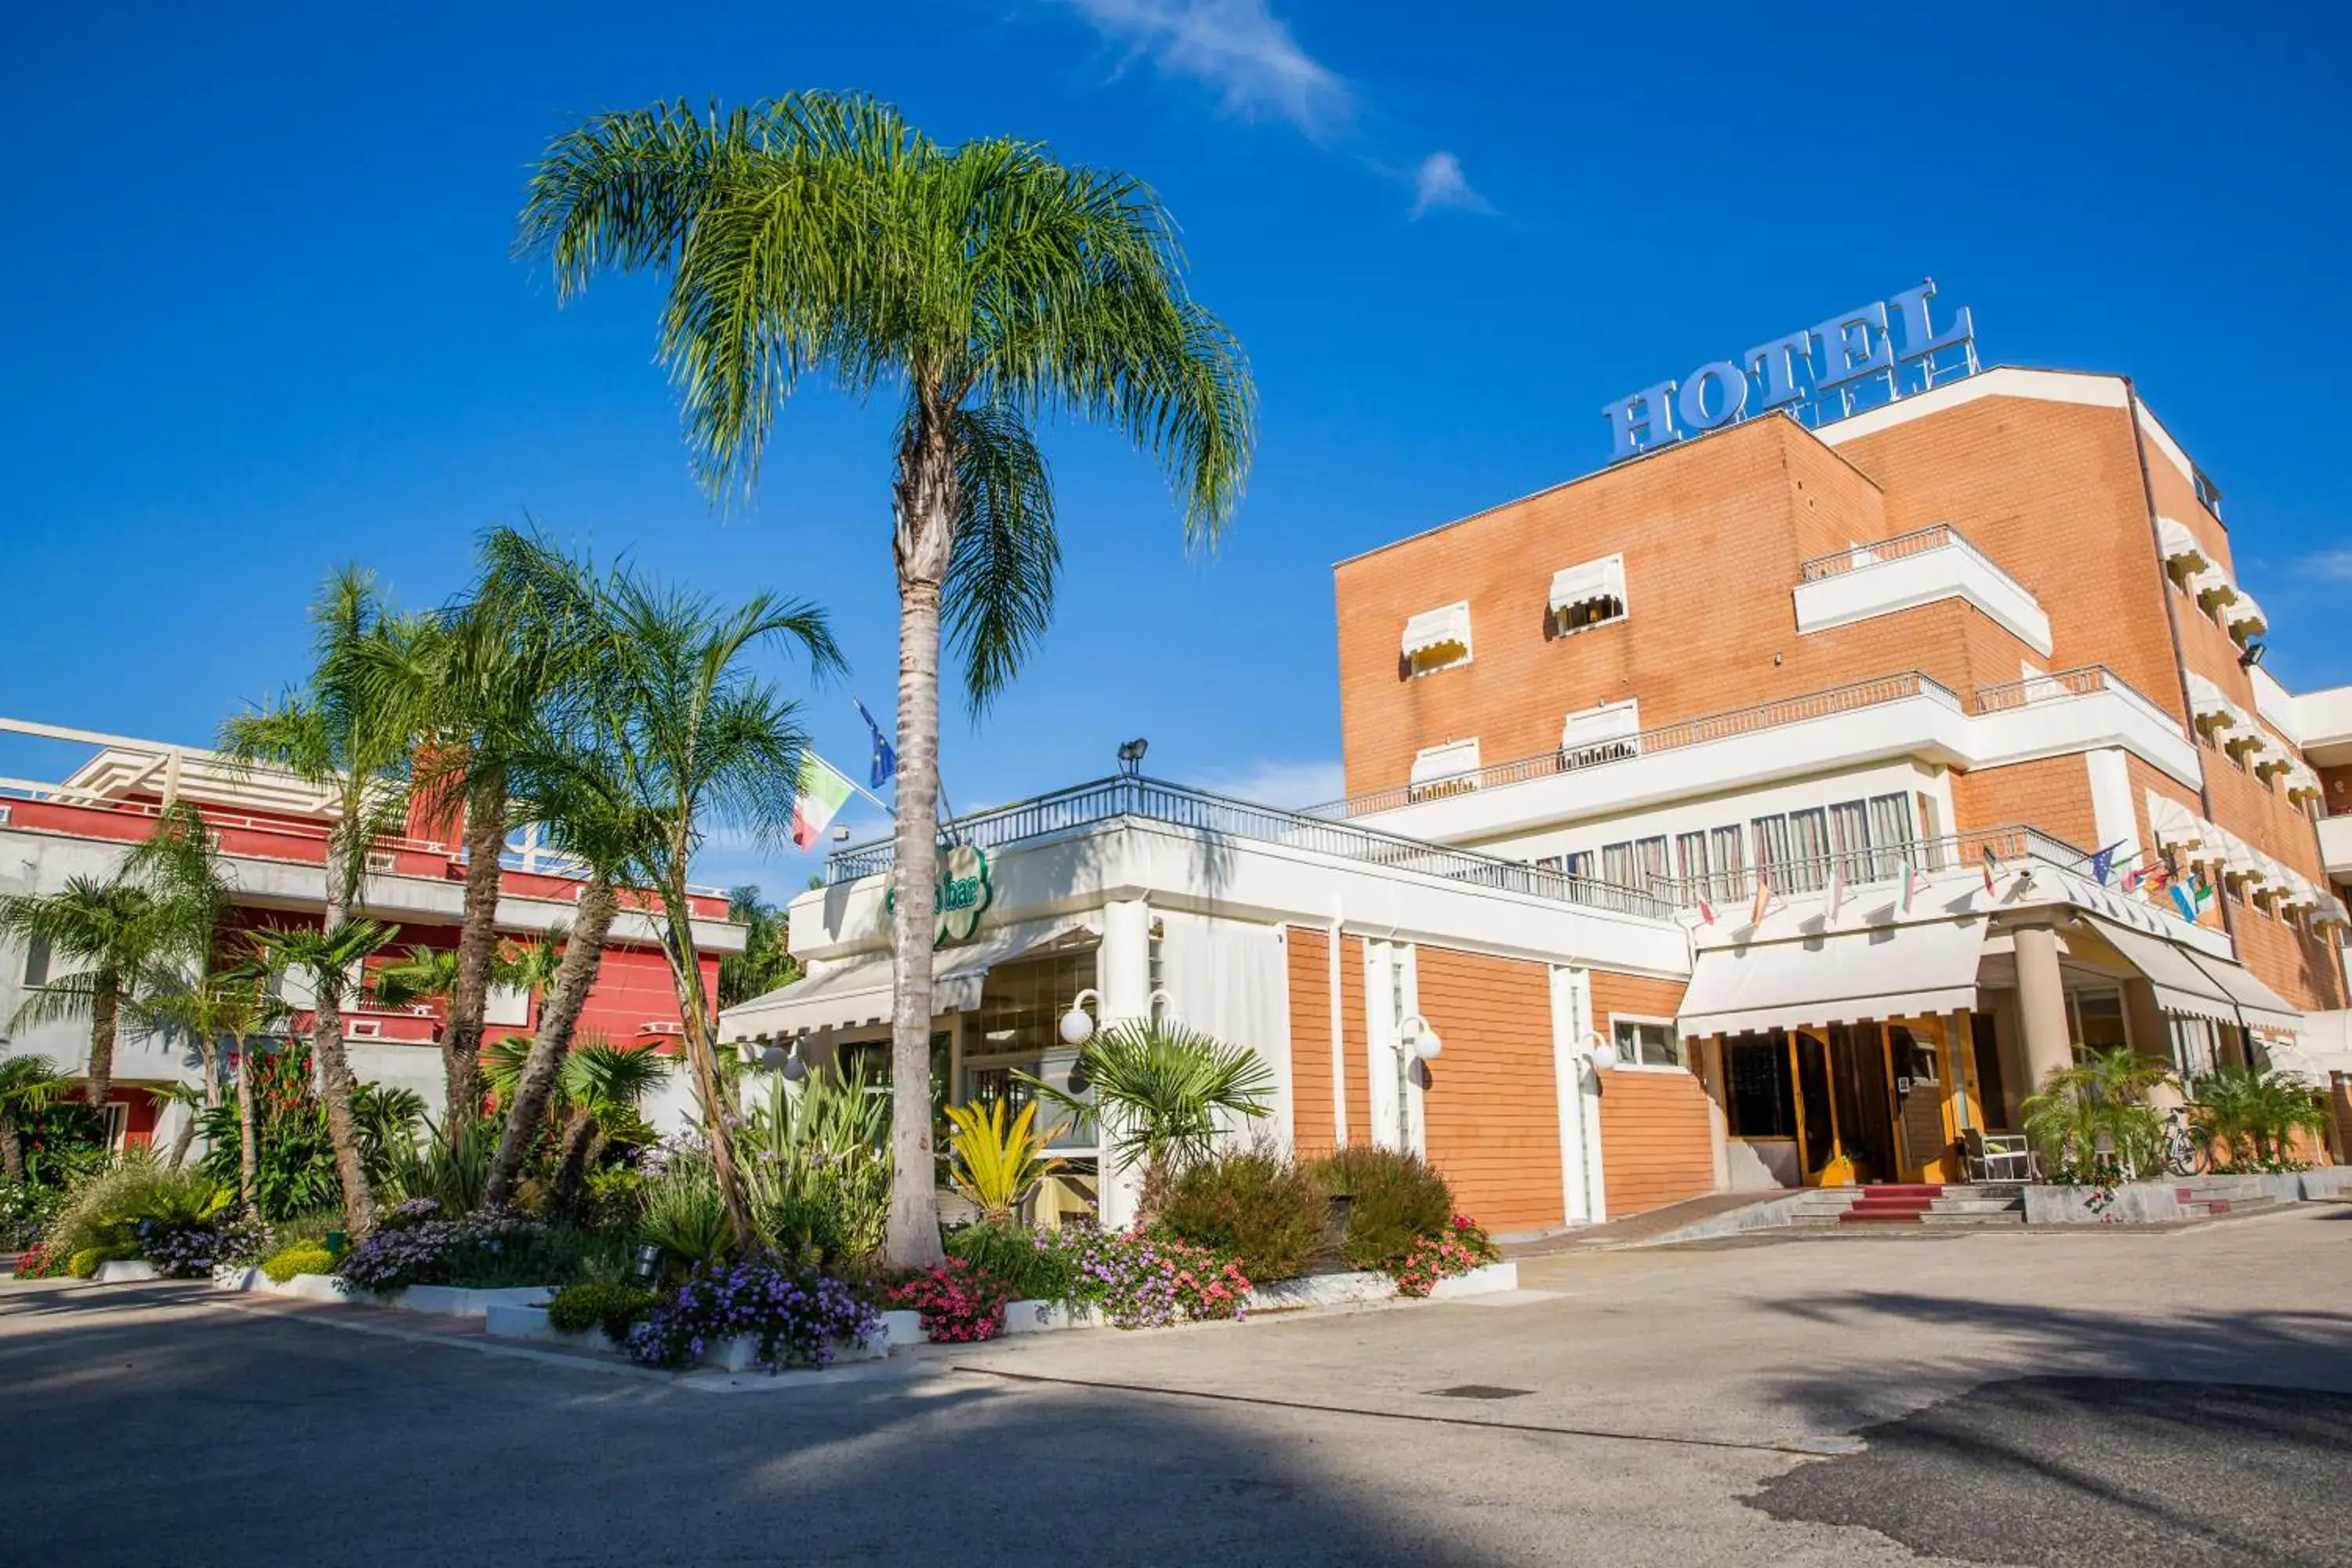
1857	360
961	895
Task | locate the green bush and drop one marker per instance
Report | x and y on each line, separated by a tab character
1255	1206
684	1215
1397	1200
26	1210
611	1306
1024	1259
102	1214
302	1258
86	1261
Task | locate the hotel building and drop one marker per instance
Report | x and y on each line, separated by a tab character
1773	809
270	829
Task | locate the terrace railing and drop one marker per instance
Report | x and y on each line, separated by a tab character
1936	536
1869	866
2082	681
1602	753
1180	806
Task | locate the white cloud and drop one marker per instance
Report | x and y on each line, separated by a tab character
1439	182
1239	49
1289	786
2334	566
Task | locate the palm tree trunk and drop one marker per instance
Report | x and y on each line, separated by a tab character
925	503
11	1153
694	1011
582	951
248	1141
336	1083
104	1016
572	1168
477	947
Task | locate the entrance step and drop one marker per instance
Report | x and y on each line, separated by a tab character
2211	1207
1892	1204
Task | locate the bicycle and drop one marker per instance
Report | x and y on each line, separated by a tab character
2186	1151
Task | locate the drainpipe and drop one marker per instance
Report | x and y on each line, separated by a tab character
1338	1034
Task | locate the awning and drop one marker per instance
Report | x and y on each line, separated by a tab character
2198	986
1574	585
2244	614
858	993
2172	825
1893	971
1450	760
2180	545
2213	587
2207	705
1446	627
2301	784
1619	721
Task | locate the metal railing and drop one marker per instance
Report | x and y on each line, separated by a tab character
1918	542
1874	866
1851	697
2082	681
1178	805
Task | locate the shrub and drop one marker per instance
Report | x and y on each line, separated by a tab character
1030	1261
103	1212
27	1209
84	1264
453	1170
1397	1200
1430	1259
958	1300
192	1251
301	1257
1141	1282
34	1264
294	1156
609	1305
684	1215
412	1244
795	1312
1257	1207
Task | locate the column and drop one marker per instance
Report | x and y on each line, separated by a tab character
1123	977
2042	1006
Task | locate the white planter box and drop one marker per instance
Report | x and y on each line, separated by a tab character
502	1321
304	1286
739	1354
234	1276
454	1301
902	1328
1366	1287
1483	1281
125	1271
1033	1317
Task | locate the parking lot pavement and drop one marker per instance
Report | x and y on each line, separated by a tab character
1628	1407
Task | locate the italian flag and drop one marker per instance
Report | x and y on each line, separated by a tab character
817	799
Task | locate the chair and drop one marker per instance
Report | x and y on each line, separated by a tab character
1999	1157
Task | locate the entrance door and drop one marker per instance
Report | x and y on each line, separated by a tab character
1865	1120
1817	1126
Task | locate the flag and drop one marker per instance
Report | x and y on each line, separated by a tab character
2133	878
885	761
1705	909
1763	904
1836	898
818	798
2102	863
2191	897
1910	887
2186	905
1991	866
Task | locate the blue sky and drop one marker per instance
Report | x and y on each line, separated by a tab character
263	319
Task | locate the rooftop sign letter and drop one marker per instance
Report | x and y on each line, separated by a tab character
1854	360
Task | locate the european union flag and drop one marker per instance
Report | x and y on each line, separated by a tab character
885	756
2104	862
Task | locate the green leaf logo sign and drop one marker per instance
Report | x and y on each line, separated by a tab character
964	891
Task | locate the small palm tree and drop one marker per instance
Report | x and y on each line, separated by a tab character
989	284
28	1085
992	1165
2253	1114
425	974
116	932
2095	1113
327	958
604	1085
531	967
1160	1090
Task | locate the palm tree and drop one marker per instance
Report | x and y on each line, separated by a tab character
426	974
352	734
239	1008
28	1085
766	960
2096	1111
531	967
2253	1114
988	284
1159	1090
603	1084
115	931
326	959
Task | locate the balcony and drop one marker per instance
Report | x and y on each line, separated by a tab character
1910	570
2335	846
1910	714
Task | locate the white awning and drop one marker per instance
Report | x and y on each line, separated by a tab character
1619	721
2207	704
2213	587
2332	911
2199	986
1445	627
1574	585
858	993
1848	978
2244	615
1450	760
2301	784
2180	546
2172	825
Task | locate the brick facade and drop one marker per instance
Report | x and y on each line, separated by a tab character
1490	1104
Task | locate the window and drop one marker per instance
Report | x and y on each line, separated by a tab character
1849	839
1647	1042
36	961
2208	492
2098	1019
1808	849
1437	639
1890	829
1727	863
1589	595
1617	865
1759	1096
1772	848
1580	864
1650	856
1691	864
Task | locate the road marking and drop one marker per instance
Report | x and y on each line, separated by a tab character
1812	1446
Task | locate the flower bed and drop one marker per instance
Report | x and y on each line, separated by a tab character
1137	1281
413	1244
793	1315
958	1301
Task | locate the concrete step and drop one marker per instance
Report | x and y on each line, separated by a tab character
2214	1207
1978	1206
1966	1218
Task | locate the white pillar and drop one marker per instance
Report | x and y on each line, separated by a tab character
1123	979
2042	1006
1582	1193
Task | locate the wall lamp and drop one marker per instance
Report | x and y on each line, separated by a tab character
1077	1025
2253	654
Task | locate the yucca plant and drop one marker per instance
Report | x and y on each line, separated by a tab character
992	1165
817	1161
1161	1093
684	1216
2094	1117
2253	1114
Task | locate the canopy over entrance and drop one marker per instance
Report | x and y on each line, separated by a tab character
857	993
1846	977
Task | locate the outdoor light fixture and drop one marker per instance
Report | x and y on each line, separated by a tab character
841	834
1603	1053
1153	1004
649	1260
772	1056
1077	1026
796	1068
1130	756
1416	1041
2253	654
